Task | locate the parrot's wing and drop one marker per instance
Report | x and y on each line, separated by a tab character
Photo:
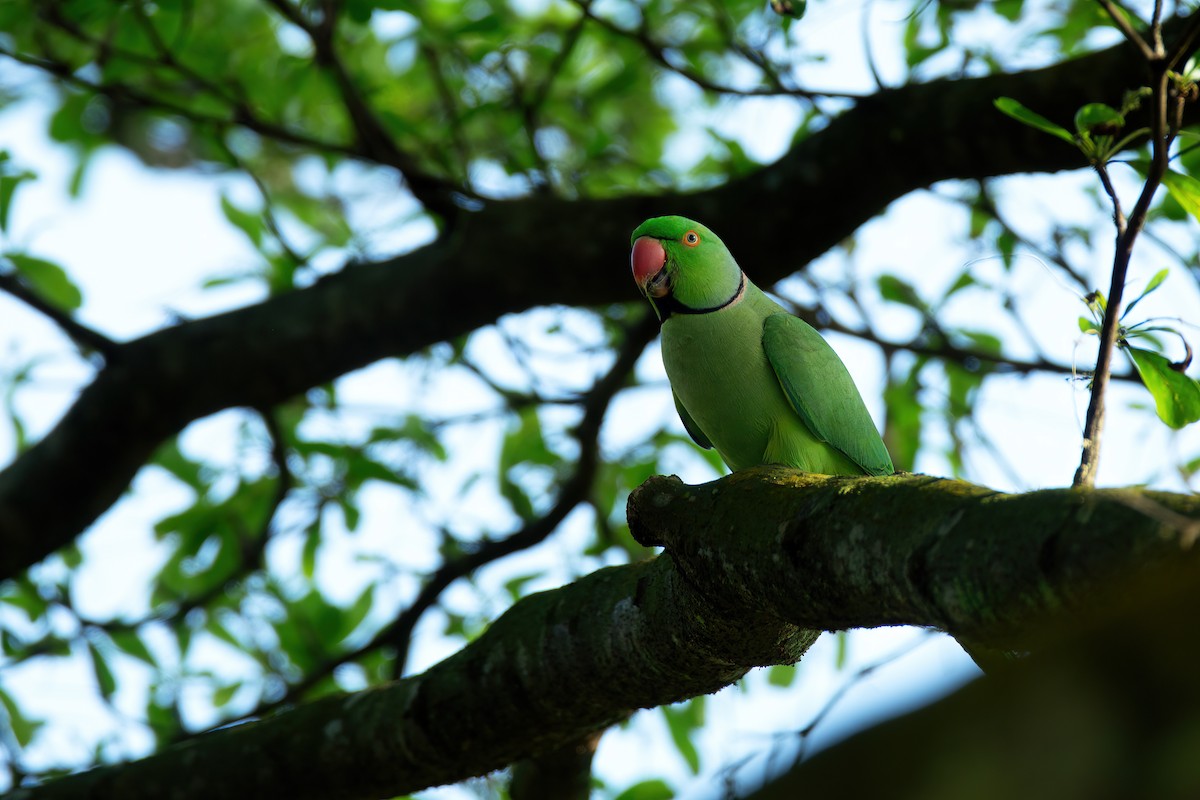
690	425
820	389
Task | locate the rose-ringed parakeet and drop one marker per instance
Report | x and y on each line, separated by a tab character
750	379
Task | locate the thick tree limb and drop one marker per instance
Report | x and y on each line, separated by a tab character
555	667
744	553
1110	711
516	255
907	549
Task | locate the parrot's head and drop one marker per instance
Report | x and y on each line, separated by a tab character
680	265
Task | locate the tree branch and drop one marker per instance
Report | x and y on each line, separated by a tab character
906	550
1162	134
373	141
555	667
84	337
1114	705
657	51
745	553
495	262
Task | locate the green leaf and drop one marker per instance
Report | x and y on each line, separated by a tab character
71	556
171	458
683	720
48	280
312	543
1186	191
217	628
979	222
415	431
1176	396
247	222
1009	9
515	586
361	468
1156	281
1088	326
517	497
357	612
223	694
1006	243
904	412
963	281
1191	467
915	50
351	514
131	643
1094	116
655	789
8	187
782	675
984	342
24	595
898	290
1153	284
23	727
104	676
525	442
485	24
843	648
1034	120
161	719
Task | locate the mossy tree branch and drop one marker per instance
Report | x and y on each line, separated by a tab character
907	549
557	666
757	563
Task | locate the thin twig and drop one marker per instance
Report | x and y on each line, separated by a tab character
868	47
52	14
269	217
238	116
373	138
1055	256
1118	215
1161	137
1121	21
943	349
657	52
453	119
756	58
84	337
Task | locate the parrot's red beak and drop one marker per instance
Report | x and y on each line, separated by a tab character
649	261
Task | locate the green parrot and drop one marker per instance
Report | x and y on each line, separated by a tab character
748	378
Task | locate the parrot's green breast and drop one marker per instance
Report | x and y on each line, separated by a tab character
723	380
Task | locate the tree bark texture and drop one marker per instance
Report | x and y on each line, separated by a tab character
556	667
831	553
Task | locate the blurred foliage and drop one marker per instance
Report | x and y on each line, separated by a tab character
270	587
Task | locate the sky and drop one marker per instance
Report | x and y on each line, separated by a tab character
141	242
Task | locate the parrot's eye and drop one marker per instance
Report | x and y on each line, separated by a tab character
691	238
